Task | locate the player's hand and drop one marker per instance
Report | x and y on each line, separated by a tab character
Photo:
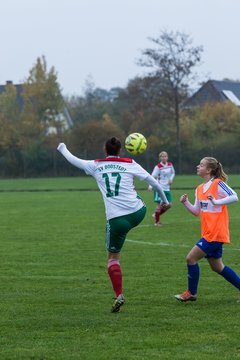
211	198
150	188
183	198
61	146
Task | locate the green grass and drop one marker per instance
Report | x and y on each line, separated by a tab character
56	296
43	184
88	183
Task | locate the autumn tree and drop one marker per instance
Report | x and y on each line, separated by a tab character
172	60
212	130
30	120
10	111
136	103
143	99
9	118
92	105
87	139
43	101
41	118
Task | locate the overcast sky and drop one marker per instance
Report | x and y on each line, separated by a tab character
102	39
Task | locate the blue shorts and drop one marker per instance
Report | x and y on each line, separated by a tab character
212	249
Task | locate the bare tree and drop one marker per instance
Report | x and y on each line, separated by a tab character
172	61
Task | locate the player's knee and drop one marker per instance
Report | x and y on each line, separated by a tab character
190	260
217	268
216	265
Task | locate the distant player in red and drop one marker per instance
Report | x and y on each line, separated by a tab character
164	173
211	200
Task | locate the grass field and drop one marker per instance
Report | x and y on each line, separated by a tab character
56	296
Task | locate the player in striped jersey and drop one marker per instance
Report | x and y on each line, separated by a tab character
211	200
124	207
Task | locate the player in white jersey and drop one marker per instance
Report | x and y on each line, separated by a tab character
124	207
164	173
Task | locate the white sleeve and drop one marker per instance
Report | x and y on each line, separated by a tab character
226	195
155	172
155	185
79	163
225	201
193	209
173	174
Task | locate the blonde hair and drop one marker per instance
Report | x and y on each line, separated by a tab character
162	153
216	168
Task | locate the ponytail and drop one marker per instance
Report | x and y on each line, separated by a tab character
216	169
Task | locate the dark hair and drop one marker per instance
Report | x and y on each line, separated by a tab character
113	146
216	168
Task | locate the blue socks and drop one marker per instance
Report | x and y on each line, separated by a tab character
231	276
193	278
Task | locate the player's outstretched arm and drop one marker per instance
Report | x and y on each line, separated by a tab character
155	185
75	161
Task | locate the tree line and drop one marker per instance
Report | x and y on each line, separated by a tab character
32	122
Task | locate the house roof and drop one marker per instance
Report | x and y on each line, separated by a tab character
20	102
19	90
215	91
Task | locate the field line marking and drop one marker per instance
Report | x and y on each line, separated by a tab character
166	244
155	244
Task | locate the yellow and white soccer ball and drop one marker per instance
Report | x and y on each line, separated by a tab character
135	143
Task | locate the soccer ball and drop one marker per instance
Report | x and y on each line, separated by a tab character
135	143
